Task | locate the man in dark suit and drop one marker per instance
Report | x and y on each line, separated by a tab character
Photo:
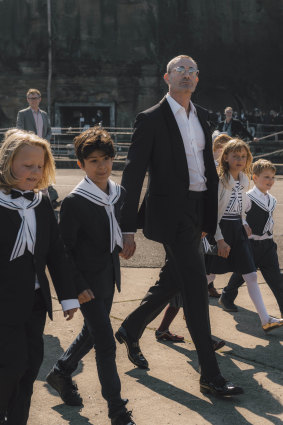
34	119
233	127
173	141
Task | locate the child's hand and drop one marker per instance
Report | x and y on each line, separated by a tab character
85	296
129	246
248	229
70	313
223	248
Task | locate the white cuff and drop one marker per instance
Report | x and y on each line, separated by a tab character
69	304
128	233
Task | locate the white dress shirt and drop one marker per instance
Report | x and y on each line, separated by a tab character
66	304
38	122
194	142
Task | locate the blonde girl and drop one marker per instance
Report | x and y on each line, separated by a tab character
29	242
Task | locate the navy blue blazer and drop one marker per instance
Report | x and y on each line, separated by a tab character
157	146
86	234
17	281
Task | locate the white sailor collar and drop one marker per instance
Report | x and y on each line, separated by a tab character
265	201
263	197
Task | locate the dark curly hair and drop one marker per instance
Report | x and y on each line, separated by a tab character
93	139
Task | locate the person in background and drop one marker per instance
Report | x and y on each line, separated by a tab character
33	118
234	127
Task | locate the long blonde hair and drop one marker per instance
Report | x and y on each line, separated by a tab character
14	140
234	145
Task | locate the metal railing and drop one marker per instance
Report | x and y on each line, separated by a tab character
62	140
265	131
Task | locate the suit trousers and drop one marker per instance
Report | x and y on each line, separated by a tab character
184	272
97	333
266	260
21	355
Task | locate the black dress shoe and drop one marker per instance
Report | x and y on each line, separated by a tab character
123	419
219	387
227	305
134	352
64	385
212	292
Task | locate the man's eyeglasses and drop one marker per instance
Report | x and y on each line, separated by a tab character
33	98
193	72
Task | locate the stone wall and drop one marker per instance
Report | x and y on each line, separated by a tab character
116	51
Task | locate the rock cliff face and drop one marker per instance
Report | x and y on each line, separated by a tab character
115	52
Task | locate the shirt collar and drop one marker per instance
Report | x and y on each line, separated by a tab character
35	112
260	194
176	107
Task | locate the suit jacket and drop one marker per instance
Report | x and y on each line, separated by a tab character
237	129
25	121
157	145
86	234
17	281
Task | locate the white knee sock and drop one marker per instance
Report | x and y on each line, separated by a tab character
255	294
210	278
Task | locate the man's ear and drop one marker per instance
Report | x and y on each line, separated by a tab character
165	77
80	164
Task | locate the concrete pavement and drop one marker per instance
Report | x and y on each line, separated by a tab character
168	393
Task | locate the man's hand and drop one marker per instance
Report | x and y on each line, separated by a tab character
203	235
255	139
129	246
248	229
223	248
70	313
86	296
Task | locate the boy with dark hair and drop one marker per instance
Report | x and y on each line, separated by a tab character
260	219
93	239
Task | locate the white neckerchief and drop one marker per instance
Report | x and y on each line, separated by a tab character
90	191
26	237
256	196
235	205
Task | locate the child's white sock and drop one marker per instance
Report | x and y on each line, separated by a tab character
210	277
255	294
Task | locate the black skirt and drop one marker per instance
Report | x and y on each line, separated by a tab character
177	301
240	259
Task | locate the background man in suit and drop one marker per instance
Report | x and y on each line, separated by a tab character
173	141
33	118
233	127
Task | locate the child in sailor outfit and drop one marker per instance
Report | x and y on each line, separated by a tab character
260	208
29	242
234	250
93	239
